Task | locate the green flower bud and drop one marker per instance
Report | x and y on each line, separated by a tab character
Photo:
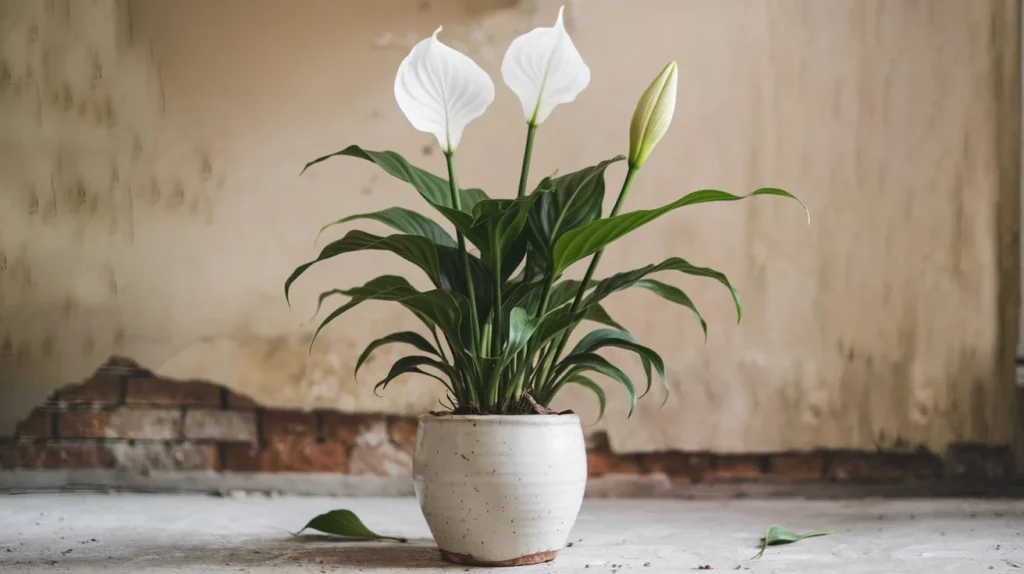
652	116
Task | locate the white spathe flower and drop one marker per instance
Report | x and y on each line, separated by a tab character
441	90
544	69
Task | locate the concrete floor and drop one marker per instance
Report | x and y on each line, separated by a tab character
193	533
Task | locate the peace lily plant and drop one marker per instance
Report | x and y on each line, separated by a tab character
498	321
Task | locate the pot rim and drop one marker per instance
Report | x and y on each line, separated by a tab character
535	419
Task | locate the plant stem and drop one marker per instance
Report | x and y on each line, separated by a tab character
578	300
457	203
531	131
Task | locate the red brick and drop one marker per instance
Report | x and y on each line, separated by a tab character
157	391
159	456
882	466
602	463
287	454
347	428
226	426
145	423
288	423
384	459
734	468
101	389
38	424
57	455
979	462
797	466
678	466
83	424
403	433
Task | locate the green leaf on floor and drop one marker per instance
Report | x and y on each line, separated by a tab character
344	523
778	535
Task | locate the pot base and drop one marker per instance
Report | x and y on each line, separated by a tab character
469	560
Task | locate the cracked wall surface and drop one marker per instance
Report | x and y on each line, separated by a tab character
150	204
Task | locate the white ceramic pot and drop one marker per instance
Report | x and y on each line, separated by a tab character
500	490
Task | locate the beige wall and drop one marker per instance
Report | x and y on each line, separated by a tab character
150	204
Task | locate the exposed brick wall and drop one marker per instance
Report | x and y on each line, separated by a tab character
124	417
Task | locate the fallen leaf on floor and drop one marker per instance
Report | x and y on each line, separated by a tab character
344	523
778	535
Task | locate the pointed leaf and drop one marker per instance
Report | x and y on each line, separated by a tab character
627	279
404	220
431	187
412	364
544	69
594	236
582	362
590	384
598	314
520	328
675	295
344	523
440	90
407	337
601	338
778	535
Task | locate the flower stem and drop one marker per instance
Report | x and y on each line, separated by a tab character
550	359
526	159
457	204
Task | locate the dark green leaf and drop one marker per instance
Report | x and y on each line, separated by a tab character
564	203
778	535
404	220
594	236
576	364
434	189
627	279
598	314
418	250
412	364
344	523
407	337
520	328
590	384
675	295
601	338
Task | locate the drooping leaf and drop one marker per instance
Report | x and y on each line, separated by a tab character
594	236
344	523
579	363
412	364
601	338
777	535
627	279
598	314
675	295
404	220
418	250
433	188
407	337
589	383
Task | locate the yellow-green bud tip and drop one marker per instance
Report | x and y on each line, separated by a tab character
652	116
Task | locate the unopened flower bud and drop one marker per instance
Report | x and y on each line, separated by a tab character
652	116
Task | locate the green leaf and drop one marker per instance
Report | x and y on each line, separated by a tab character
344	523
627	279
407	337
404	220
590	384
675	295
564	203
520	328
412	364
575	364
418	250
601	338
598	314
594	236
433	189
778	535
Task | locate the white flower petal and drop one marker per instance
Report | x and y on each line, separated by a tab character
441	90
544	69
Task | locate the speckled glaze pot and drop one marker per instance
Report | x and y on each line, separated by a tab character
500	490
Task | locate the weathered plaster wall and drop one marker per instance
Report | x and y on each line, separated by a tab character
151	205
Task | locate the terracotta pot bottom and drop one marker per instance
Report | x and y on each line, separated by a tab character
469	560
